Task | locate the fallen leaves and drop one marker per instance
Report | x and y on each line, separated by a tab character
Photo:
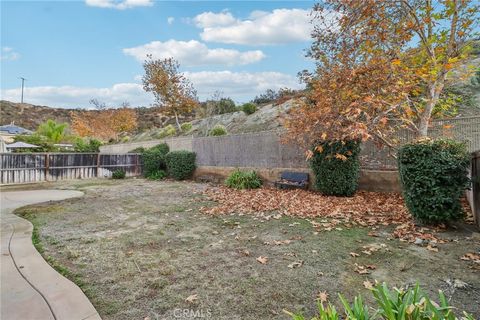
192	298
296	264
367	284
262	260
470	256
364	269
367	209
322	296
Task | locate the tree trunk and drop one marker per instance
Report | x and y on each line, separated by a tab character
178	123
433	95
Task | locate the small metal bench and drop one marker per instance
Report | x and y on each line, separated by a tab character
292	180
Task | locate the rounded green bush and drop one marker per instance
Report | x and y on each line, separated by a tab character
180	164
243	180
167	131
337	168
218	130
154	159
249	108
434	176
187	126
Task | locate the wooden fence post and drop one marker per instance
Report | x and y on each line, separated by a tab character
98	164
47	166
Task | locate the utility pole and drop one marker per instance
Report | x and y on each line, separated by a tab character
23	84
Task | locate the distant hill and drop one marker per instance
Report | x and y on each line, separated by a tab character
30	116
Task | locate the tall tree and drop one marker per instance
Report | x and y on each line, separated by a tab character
172	90
53	131
380	65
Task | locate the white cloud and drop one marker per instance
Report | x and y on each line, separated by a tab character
211	19
79	97
262	28
170	20
9	54
194	53
240	86
119	4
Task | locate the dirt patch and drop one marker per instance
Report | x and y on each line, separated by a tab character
141	248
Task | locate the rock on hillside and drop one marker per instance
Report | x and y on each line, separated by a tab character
267	117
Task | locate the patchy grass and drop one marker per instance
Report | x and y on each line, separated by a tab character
140	248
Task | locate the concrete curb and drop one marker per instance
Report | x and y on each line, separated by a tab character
31	288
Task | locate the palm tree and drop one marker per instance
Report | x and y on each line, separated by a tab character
54	132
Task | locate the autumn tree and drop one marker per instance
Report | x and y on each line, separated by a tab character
104	124
172	90
380	65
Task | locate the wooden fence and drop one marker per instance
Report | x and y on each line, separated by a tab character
475	192
36	167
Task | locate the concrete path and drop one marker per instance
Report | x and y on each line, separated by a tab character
30	288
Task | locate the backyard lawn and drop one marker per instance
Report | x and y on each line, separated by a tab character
165	250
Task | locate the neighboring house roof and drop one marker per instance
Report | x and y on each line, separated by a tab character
13	129
17	145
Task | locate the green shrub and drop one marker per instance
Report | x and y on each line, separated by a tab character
218	130
157	175
249	108
243	180
187	126
337	167
90	145
180	164
154	160
167	131
398	304
119	174
434	178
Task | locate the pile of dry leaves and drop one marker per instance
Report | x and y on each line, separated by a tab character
363	209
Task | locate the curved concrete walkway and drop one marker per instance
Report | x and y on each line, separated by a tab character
30	288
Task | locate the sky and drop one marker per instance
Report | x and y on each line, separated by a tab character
73	51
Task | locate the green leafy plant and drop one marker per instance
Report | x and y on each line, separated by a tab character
249	108
119	174
53	131
186	126
167	131
336	166
218	130
434	178
87	145
180	164
154	160
42	143
243	180
396	304
157	175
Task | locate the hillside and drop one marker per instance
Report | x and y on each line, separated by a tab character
30	116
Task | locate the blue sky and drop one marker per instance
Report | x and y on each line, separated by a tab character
73	51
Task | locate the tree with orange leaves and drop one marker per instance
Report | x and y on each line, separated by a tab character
380	66
105	124
172	90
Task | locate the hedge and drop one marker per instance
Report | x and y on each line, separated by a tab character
434	177
180	164
336	167
154	160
